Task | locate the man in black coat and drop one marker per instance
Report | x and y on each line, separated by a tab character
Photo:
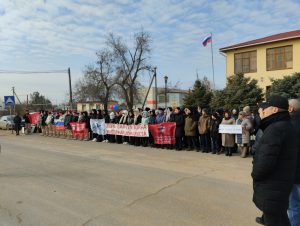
294	202
17	122
275	163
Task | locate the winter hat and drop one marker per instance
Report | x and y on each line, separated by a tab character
246	109
216	115
242	113
277	101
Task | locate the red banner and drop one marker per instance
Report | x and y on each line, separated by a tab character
34	117
79	129
127	130
163	133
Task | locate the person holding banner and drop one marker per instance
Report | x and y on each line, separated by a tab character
67	120
243	139
145	121
130	121
42	121
100	138
152	121
93	115
136	121
228	140
105	116
111	138
48	123
85	119
124	121
26	119
62	131
74	117
179	120
160	117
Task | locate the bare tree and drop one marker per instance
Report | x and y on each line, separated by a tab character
106	73
99	79
131	63
90	87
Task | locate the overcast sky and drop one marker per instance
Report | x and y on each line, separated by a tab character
57	34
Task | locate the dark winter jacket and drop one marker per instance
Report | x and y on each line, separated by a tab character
74	118
258	137
26	118
137	120
17	120
152	119
274	164
179	120
106	117
130	120
43	119
85	119
214	128
256	124
190	126
67	120
296	123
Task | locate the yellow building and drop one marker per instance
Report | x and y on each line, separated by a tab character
266	58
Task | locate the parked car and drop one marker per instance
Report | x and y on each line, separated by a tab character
7	122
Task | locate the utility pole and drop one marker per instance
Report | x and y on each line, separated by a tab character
166	83
13	89
155	87
70	89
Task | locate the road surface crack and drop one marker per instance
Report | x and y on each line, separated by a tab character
160	190
134	202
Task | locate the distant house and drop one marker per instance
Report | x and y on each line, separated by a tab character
89	105
265	58
174	97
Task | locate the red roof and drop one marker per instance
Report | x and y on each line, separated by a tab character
268	39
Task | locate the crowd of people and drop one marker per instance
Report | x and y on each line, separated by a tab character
196	129
270	133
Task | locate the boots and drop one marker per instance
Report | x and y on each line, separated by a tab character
229	151
244	152
226	151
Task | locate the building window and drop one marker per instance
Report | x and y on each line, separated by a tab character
161	98
83	107
245	62
280	58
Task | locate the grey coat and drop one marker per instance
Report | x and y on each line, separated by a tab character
246	127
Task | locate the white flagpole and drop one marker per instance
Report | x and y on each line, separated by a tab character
212	61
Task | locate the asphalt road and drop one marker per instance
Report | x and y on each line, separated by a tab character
55	182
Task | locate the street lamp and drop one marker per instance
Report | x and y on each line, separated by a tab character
166	81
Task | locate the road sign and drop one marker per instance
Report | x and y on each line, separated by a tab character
9	100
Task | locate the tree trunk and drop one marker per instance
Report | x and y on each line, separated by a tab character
105	102
131	98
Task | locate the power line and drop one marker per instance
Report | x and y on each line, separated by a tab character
2	71
32	72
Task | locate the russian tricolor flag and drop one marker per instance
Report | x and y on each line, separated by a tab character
59	125
207	40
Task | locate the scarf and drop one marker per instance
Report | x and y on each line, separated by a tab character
279	116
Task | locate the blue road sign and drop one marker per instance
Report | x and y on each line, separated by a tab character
9	100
